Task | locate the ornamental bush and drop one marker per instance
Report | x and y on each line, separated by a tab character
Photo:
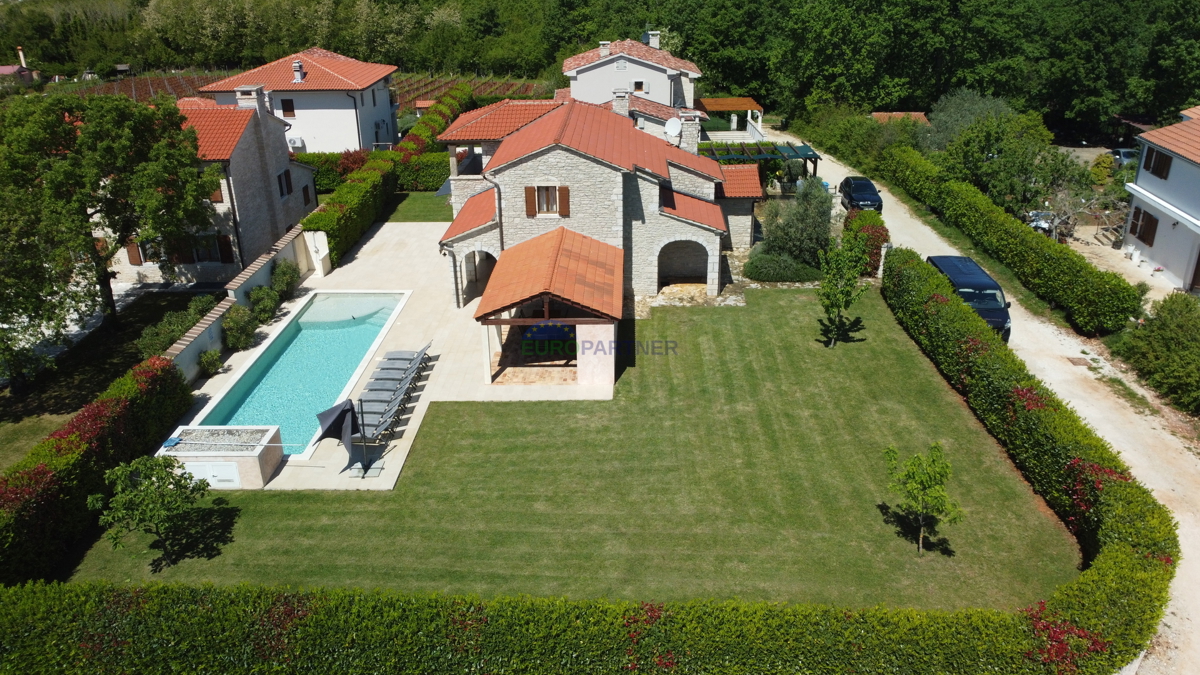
1128	538
237	328
158	338
210	362
778	267
43	497
351	210
869	225
326	177
285	277
1095	301
263	303
1165	352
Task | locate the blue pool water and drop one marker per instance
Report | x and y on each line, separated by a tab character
305	369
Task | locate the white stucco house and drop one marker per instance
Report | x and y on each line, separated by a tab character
263	193
332	102
1164	220
535	167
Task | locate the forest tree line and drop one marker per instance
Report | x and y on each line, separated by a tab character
1079	62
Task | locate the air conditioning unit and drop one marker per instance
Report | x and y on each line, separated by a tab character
296	144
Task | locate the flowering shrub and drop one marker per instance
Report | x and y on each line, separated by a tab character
351	161
1064	643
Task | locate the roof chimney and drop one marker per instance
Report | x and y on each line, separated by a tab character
689	135
251	96
604	48
21	55
620	102
654	39
297	71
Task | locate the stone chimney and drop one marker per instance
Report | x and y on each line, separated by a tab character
654	39
251	96
620	101
297	71
689	136
604	51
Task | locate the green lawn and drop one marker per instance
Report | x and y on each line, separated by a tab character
421	207
81	374
749	464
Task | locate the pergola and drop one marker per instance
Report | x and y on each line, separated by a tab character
759	151
732	104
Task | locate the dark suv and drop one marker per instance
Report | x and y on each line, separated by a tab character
860	193
977	289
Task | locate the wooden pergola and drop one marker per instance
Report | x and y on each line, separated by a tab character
760	151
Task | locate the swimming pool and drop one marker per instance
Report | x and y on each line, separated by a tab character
307	367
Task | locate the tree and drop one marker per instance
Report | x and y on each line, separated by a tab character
150	494
799	228
840	269
958	110
921	484
111	165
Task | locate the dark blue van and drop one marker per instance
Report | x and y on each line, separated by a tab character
977	289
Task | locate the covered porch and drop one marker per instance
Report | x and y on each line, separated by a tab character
731	108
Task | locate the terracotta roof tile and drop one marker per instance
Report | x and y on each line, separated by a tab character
478	211
1182	139
218	129
198	102
563	94
729	104
741	180
602	134
496	121
1190	113
634	49
324	71
654	109
564	263
693	209
882	117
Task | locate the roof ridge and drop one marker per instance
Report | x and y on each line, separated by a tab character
329	70
552	270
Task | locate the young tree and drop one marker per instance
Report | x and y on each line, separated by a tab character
109	164
799	228
149	494
921	484
840	270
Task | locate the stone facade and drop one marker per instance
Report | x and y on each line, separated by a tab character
691	183
739	218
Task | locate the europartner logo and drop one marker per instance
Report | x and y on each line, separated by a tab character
551	337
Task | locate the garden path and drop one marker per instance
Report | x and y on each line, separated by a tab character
1153	445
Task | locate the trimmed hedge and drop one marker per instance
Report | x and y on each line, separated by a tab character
421	173
1128	538
327	177
43	497
1095	301
158	338
353	207
778	267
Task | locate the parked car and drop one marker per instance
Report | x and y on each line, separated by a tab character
1123	156
860	193
977	289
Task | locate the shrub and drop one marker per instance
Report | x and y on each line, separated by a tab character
237	328
424	173
351	161
285	277
869	226
353	207
43	497
327	177
1095	301
1165	352
799	228
854	136
158	338
956	111
210	362
778	267
263	303
1101	170
1128	539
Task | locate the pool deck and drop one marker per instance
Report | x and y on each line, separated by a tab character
402	257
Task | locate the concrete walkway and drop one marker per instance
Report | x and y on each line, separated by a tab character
1162	460
403	257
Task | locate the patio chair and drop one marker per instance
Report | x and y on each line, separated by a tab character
400	360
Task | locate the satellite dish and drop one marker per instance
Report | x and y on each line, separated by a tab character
674	126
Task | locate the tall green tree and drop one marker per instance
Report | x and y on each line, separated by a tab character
799	228
112	172
921	484
841	267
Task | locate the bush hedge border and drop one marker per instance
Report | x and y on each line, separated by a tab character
1091	626
1095	301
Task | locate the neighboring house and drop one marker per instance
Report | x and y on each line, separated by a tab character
332	102
262	195
1164	219
578	166
21	72
918	117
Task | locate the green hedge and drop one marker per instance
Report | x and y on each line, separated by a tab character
158	338
43	497
420	173
353	207
327	176
1095	301
1128	538
778	267
1165	352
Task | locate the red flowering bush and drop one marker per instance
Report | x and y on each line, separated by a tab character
1063	643
351	161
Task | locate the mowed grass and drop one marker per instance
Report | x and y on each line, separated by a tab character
749	464
421	207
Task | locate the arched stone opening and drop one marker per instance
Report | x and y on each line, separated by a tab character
683	262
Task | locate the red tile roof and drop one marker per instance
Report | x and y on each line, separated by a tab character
883	117
602	134
424	104
569	266
563	94
1182	139
729	104
654	109
197	102
741	180
692	209
324	71
478	211
496	121
634	49
218	129
1190	113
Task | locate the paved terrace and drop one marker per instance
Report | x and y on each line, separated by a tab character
401	257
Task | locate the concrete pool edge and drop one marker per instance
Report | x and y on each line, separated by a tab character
302	304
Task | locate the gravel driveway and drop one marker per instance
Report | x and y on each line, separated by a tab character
1160	459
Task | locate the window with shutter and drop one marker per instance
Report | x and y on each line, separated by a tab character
307	195
217	196
1149	160
1162	166
288	106
134	253
287	180
1148	229
225	245
1135	221
530	202
547	199
564	201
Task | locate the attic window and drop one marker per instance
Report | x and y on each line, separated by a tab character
639	85
622	65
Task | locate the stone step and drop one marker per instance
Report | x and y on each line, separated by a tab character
729	136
